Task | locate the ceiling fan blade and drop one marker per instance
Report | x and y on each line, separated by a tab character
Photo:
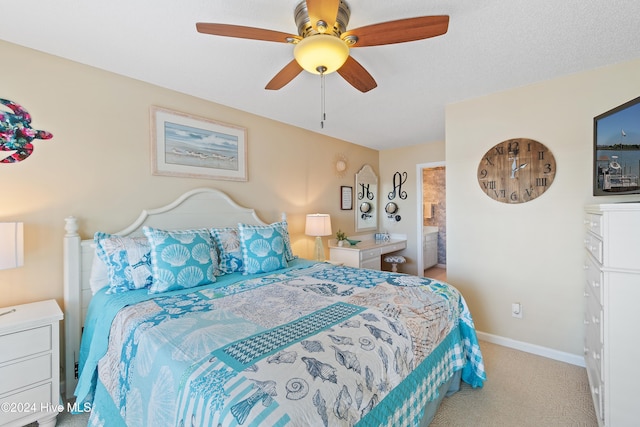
323	10
288	73
357	76
400	31
241	32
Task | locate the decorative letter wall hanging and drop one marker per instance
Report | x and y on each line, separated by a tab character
16	133
398	180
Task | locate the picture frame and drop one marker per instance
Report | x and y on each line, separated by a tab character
616	150
184	145
346	198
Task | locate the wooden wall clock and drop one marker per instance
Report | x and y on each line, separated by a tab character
516	170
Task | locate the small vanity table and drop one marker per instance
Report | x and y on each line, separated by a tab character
365	254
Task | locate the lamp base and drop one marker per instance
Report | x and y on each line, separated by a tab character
319	250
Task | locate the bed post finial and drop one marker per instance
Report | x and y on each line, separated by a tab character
71	226
284	216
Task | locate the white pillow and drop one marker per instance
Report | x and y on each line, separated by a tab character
99	274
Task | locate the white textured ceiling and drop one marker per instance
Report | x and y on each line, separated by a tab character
491	45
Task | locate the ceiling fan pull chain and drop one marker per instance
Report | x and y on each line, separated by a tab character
323	116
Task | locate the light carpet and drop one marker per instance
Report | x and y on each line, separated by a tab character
522	390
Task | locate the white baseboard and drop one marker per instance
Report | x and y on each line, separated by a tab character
532	348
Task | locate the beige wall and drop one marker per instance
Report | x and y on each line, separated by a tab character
97	165
406	160
97	168
529	253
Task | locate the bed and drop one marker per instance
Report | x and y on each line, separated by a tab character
257	336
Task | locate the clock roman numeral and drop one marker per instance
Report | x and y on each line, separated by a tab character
489	185
541	182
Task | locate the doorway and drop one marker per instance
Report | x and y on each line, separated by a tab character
432	220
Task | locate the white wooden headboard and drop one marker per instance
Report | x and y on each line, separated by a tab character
198	208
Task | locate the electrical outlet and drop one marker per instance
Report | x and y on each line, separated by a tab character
516	310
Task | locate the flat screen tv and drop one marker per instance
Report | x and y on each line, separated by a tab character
616	157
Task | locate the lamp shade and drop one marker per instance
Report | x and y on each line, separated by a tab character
321	50
11	245
318	225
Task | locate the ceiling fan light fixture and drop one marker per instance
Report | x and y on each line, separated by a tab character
319	51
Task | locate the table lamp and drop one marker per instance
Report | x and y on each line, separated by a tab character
318	225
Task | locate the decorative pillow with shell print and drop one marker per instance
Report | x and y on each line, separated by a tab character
180	259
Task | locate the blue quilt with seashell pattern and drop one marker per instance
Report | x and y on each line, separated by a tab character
314	344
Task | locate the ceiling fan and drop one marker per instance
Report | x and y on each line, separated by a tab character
323	42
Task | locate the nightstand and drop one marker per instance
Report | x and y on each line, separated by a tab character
30	364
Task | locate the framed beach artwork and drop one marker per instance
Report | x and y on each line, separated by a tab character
616	135
196	147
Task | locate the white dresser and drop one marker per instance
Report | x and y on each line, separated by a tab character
365	254
612	340
30	364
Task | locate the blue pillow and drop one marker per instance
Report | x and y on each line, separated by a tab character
127	259
180	259
263	248
228	244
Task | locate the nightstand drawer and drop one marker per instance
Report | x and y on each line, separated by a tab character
26	403
24	343
25	373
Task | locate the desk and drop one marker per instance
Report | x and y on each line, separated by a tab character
365	254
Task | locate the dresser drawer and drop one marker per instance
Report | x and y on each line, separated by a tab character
25	373
370	254
373	264
593	223
594	322
597	389
24	343
595	279
593	245
394	247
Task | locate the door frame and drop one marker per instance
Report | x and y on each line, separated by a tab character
420	214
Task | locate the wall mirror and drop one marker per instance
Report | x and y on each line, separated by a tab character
366	191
